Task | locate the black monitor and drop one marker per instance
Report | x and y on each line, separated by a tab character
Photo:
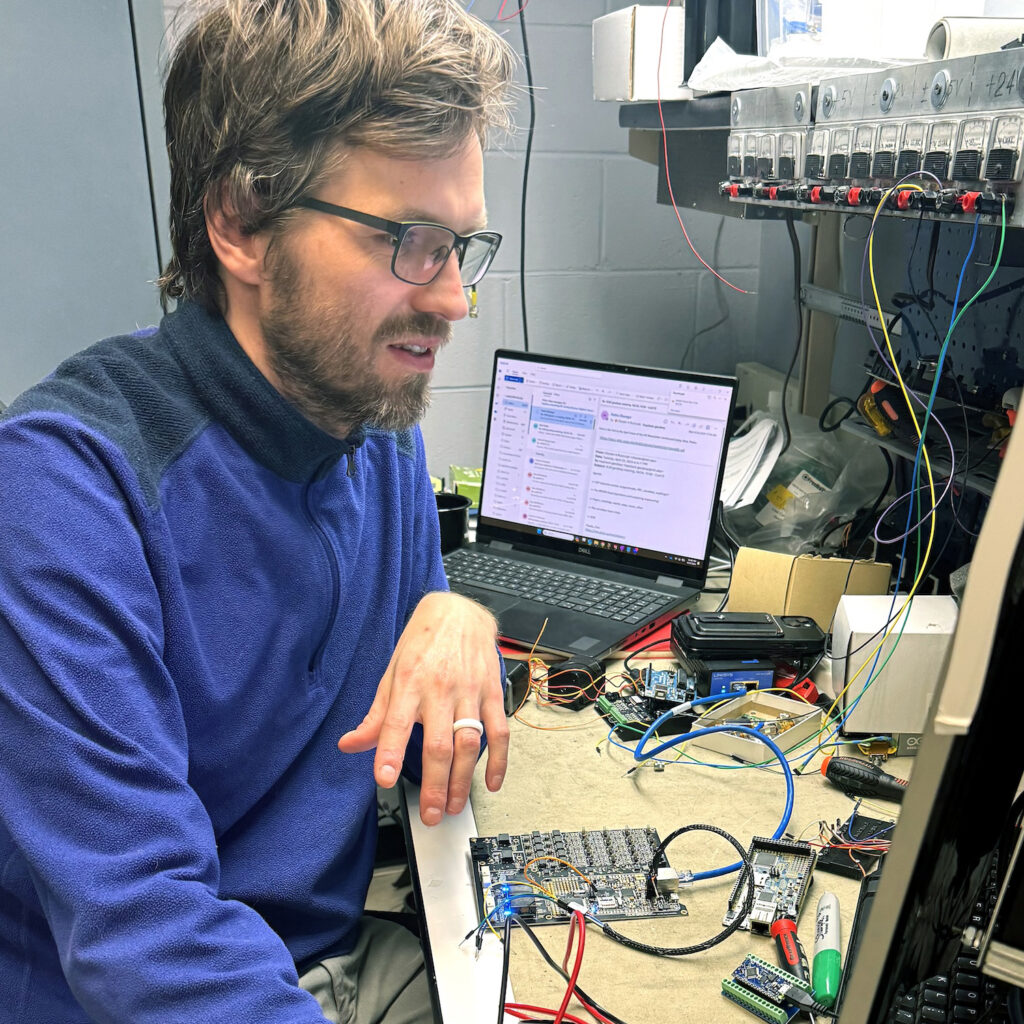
964	780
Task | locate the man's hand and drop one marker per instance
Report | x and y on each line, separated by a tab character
443	669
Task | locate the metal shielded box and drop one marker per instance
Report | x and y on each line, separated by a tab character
899	696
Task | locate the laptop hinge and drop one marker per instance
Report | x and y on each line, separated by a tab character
499	545
670	581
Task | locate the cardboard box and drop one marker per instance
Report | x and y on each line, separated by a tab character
781	584
785	721
900	694
626	45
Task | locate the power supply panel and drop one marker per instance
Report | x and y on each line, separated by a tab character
953	128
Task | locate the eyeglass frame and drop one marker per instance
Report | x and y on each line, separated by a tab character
399	229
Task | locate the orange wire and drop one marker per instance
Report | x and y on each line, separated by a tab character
537	860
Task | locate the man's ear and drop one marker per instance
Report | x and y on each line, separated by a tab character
240	254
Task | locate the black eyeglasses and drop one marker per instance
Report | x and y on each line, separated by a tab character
422	248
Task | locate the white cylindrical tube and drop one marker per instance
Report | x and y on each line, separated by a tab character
963	37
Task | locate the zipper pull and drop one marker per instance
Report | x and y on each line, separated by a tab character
350	462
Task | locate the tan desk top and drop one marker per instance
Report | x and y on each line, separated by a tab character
573	779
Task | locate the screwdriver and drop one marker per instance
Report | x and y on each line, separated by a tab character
792	957
862	778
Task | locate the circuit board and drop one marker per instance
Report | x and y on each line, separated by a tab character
610	879
858	828
760	988
782	874
632	715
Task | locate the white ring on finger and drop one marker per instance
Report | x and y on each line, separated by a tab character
468	723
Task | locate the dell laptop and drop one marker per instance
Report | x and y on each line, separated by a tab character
598	500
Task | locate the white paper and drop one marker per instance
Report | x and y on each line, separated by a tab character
748	463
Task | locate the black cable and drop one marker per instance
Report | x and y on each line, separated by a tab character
732	556
506	935
722	304
565	974
526	176
646	647
795	243
748	901
828	408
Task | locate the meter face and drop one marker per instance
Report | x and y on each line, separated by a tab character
941	139
914	133
1007	133
841	140
863	137
888	134
973	134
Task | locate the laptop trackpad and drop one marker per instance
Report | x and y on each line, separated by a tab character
497	603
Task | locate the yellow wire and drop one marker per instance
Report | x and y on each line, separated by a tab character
924	453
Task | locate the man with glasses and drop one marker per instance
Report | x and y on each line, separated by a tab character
221	545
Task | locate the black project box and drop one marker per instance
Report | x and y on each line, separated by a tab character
711	635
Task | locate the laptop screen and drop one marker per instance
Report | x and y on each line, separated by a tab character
620	464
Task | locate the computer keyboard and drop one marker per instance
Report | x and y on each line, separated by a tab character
573	591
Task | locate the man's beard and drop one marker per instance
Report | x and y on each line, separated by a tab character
327	374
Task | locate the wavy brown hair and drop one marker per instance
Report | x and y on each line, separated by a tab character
263	96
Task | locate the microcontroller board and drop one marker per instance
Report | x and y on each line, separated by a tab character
610	879
762	988
782	873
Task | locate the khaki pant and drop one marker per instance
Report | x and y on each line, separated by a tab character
382	981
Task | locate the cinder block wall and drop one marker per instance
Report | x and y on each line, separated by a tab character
608	273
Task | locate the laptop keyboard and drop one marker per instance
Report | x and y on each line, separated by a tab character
573	591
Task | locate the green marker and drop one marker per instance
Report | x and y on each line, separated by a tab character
825	966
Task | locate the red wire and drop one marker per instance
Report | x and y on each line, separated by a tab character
568	942
509	17
578	918
514	1010
668	177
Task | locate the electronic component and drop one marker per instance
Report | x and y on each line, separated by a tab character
727	675
574	684
673	685
782	873
767	991
789	723
610	879
632	715
711	635
857	829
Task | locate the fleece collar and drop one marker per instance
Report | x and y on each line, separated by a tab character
239	397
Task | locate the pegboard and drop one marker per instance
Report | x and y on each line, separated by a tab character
994	321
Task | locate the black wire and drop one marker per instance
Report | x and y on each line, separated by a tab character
646	647
722	304
506	935
526	176
828	408
795	242
565	974
748	900
732	556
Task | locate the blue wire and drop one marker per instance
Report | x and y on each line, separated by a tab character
639	755
469	6
915	476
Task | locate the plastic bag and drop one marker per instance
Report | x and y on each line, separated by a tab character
819	478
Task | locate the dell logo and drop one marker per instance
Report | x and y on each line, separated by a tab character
584	551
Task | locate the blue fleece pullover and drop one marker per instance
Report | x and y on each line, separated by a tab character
199	593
